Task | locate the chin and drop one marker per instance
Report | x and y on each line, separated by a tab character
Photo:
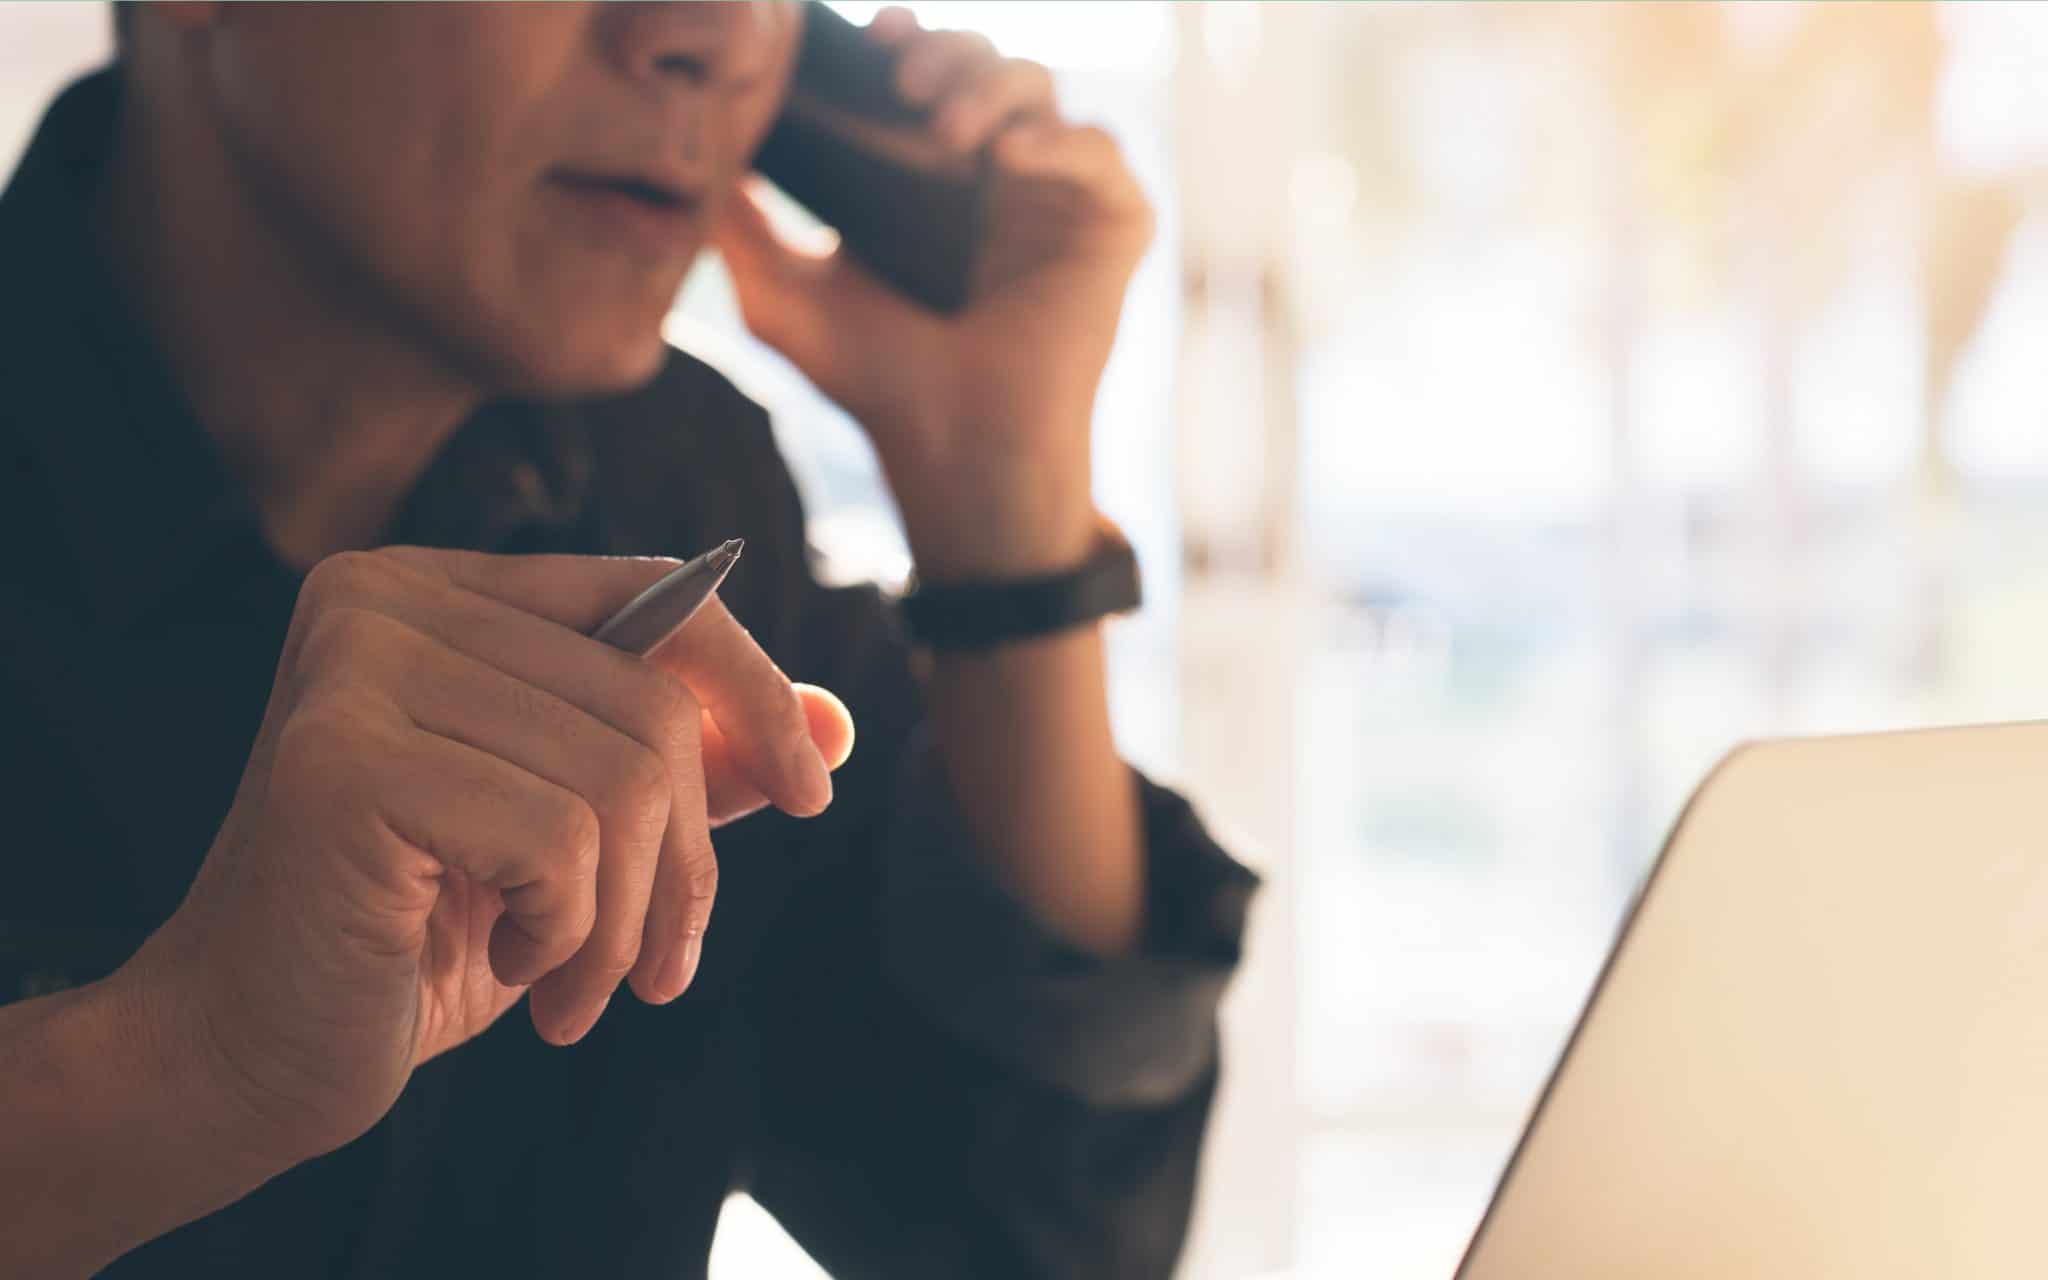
568	366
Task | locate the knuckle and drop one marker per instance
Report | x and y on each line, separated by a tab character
347	635
921	52
531	706
667	726
330	583
341	576
575	832
665	708
1033	75
615	958
326	743
646	779
414	559
791	725
343	718
583	917
324	580
700	882
635	794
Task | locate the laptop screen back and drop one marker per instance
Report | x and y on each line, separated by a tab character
1821	1046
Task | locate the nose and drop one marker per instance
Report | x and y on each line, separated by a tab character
704	44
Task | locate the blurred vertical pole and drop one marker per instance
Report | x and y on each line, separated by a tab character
1784	553
1777	275
1240	118
1966	225
1933	496
1629	532
1779	554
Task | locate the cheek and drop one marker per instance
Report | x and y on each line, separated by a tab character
477	245
473	241
405	189
460	170
511	277
416	161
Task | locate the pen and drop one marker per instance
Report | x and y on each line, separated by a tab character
660	611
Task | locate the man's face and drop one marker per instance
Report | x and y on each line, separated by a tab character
519	187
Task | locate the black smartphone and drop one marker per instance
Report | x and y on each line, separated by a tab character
854	154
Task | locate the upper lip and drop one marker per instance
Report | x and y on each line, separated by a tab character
651	186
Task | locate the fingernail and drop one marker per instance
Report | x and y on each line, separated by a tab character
683	965
815	778
669	981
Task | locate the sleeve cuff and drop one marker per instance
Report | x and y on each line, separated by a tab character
1133	1030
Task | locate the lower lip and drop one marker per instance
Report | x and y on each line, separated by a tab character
655	229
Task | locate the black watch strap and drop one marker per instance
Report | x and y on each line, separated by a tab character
961	616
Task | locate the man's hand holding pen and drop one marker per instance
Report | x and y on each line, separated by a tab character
458	796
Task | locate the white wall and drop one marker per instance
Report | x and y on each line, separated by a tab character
43	46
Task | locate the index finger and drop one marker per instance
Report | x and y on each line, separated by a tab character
747	694
1010	90
578	592
758	710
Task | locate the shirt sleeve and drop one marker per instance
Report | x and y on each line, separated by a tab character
947	1088
1132	1030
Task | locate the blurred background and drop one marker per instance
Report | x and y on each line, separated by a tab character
1523	404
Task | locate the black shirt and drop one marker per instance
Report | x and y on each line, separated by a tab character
880	1045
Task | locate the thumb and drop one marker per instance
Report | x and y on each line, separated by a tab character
730	793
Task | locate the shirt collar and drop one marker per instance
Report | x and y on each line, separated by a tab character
142	497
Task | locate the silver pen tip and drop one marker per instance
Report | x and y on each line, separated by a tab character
729	551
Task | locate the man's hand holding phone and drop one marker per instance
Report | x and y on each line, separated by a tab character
457	797
980	419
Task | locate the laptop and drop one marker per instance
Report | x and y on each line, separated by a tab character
1819	1048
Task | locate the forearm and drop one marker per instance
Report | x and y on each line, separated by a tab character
1024	727
1024	731
109	1133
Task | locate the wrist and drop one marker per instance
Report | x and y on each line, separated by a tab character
1017	531
1007	497
184	1088
1025	551
112	1137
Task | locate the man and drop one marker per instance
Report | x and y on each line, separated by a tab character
332	375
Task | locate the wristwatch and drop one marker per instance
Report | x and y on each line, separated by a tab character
977	615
